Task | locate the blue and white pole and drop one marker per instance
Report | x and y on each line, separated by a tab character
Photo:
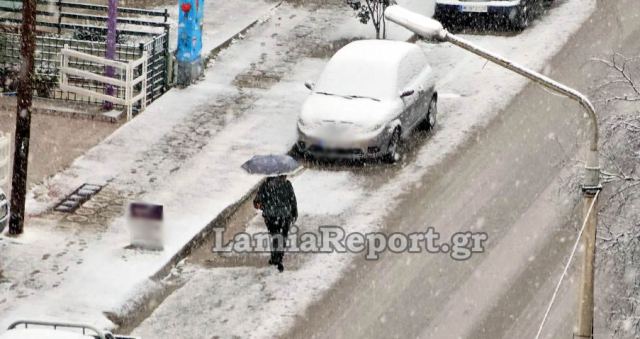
188	55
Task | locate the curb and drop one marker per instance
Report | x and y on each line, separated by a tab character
220	221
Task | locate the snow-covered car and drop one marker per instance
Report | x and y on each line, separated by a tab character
371	95
53	330
4	211
519	13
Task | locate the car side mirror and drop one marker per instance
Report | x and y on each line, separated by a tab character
309	85
407	93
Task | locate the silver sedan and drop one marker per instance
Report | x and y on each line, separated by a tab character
371	95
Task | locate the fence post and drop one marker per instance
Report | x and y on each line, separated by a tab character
143	103
127	92
64	63
110	53
59	17
143	49
168	63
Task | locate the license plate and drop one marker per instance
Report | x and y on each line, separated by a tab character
474	8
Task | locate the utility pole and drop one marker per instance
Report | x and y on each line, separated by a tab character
430	28
23	118
112	36
584	316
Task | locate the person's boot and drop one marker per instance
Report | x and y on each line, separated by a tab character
280	267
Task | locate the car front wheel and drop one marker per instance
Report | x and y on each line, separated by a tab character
393	150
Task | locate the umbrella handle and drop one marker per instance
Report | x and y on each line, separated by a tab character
297	172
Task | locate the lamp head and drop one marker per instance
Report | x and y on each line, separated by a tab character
417	23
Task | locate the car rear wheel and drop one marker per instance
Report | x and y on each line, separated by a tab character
431	117
522	18
393	150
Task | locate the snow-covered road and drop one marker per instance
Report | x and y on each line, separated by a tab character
499	162
426	189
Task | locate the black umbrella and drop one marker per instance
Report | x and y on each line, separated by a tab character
271	164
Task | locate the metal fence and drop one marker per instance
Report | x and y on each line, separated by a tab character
63	23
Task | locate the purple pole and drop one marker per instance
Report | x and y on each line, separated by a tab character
111	46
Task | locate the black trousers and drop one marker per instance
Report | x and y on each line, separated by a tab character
279	230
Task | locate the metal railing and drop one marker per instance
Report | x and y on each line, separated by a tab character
159	63
65	15
63	23
130	88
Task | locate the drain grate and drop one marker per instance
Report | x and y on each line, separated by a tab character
74	200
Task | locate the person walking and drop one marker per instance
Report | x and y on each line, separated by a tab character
279	206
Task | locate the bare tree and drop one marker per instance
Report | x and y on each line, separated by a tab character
619	240
372	10
623	81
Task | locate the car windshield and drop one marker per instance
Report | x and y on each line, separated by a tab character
357	80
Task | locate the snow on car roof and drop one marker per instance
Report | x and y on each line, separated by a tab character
387	52
40	333
367	68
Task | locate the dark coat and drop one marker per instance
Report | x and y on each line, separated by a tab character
277	199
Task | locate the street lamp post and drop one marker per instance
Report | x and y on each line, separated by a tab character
432	29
